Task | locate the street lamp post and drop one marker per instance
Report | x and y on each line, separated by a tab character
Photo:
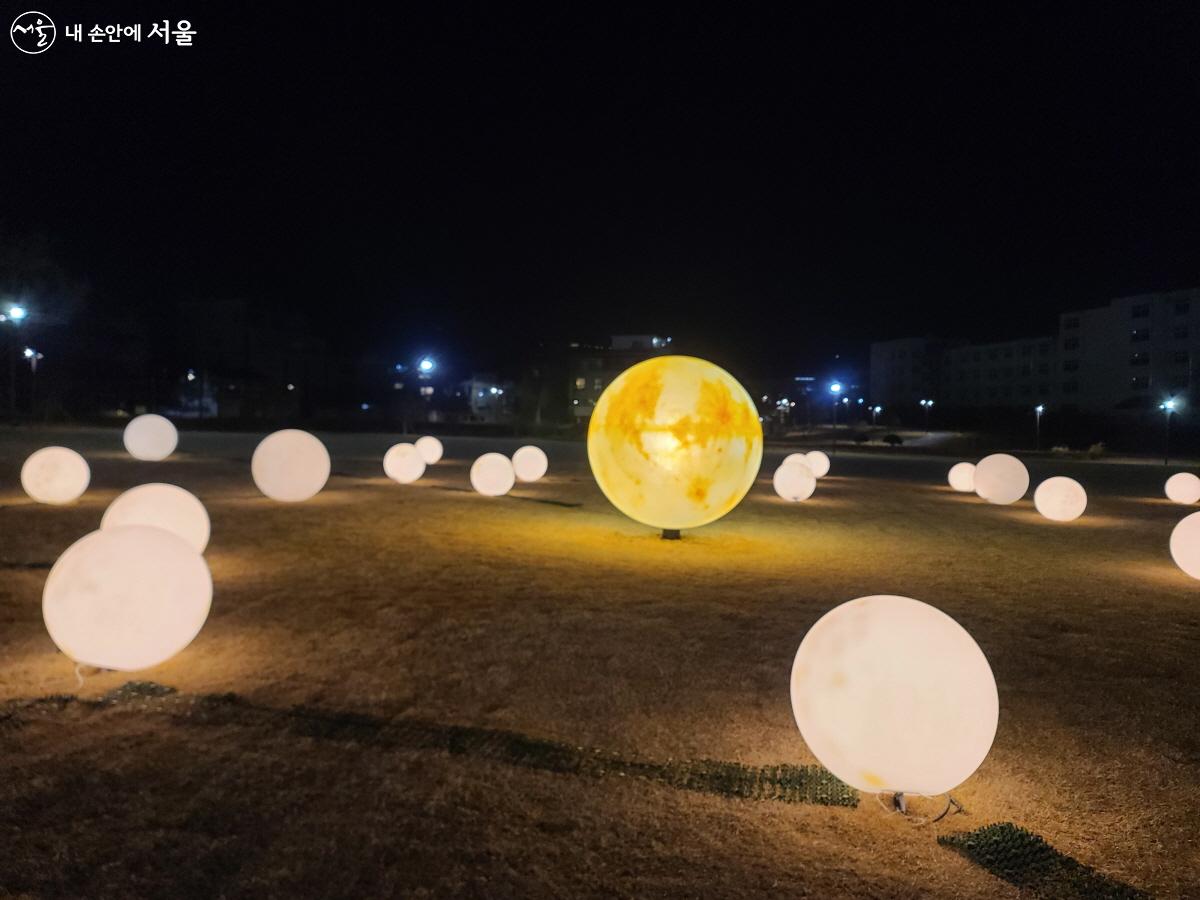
13	317
33	356
1037	426
875	411
1168	406
835	388
927	405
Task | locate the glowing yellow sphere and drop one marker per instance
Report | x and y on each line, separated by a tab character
891	694
1060	499
675	442
962	477
530	463
403	463
794	480
126	598
1183	487
55	475
162	506
818	462
150	437
290	465
430	449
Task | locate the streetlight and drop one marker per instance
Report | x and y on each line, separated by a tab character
928	405
15	316
1169	406
835	388
426	365
1039	409
33	356
875	411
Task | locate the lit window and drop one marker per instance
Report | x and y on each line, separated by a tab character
426	390
580	384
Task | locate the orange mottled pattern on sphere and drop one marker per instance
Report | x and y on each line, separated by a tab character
675	442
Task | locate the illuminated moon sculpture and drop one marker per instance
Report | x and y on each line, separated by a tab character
874	684
1001	478
161	506
55	475
794	481
290	465
430	449
675	442
962	477
1060	499
818	462
1185	544
530	463
403	463
126	598
150	437
492	475
1183	487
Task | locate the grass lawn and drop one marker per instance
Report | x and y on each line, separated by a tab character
550	615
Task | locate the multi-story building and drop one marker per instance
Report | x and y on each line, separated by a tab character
1003	374
905	371
1123	358
1130	355
592	367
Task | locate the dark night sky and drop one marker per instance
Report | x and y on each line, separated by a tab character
769	191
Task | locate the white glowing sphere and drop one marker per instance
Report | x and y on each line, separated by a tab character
1185	544
1183	487
126	598
492	475
1001	478
892	694
430	449
290	465
161	506
530	463
403	463
962	477
55	475
1060	499
794	480
818	462
150	437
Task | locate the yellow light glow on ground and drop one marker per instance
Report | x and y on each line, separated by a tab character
675	442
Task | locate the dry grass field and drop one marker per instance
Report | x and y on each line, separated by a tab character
549	614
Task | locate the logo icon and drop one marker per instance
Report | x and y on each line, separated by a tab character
32	32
